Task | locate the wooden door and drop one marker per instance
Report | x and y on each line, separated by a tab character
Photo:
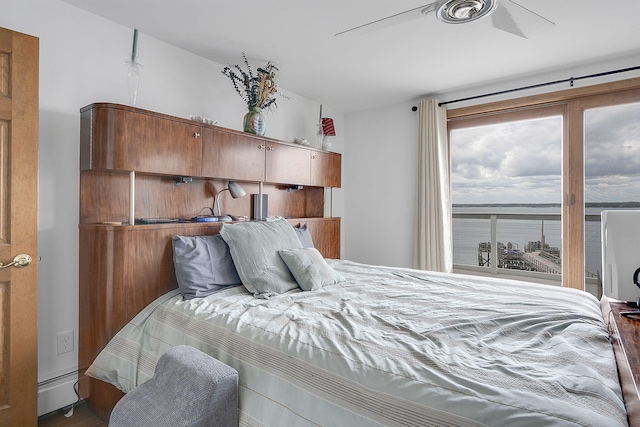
18	228
129	139
287	164
326	169
232	155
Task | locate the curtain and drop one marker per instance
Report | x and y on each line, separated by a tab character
433	242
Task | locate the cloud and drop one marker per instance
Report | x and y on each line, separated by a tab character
508	163
612	154
521	162
612	141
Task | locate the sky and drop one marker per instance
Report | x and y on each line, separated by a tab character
521	162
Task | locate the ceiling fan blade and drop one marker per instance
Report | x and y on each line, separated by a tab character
398	18
515	19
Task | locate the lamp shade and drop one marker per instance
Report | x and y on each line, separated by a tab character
236	190
328	127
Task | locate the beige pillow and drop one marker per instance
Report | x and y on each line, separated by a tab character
254	249
309	268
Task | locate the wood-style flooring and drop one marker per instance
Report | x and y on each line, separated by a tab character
82	417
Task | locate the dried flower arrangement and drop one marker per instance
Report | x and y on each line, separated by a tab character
257	90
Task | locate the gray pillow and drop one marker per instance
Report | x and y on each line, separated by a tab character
254	248
309	268
305	236
203	265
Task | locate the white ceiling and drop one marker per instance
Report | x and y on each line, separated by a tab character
398	63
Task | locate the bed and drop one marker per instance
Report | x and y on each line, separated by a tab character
375	345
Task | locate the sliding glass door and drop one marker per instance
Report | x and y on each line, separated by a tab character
575	152
506	181
612	167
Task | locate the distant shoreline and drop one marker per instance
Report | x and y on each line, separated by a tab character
546	205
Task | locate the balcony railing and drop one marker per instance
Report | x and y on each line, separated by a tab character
528	244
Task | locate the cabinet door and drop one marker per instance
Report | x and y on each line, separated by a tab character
133	141
326	169
231	155
287	164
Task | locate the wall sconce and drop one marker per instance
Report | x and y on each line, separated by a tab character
236	192
177	180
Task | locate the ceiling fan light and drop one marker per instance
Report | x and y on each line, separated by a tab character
461	11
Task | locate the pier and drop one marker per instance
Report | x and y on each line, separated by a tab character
537	256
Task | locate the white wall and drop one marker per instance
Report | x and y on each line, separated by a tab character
82	61
380	165
379	176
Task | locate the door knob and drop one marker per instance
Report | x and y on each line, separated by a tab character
20	261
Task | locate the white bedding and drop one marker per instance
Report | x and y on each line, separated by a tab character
392	346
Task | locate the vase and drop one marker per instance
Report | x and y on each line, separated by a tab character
326	143
254	121
319	136
133	80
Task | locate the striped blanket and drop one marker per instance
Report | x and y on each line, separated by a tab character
392	347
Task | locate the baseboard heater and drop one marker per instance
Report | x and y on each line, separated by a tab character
57	392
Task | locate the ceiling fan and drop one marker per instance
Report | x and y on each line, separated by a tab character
504	15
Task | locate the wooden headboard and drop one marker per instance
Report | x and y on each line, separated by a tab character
124	268
129	159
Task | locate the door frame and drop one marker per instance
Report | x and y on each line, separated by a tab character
19	107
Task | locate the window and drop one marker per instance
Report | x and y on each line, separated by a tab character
506	179
581	118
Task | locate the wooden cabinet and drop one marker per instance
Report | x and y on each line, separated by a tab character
231	154
157	148
121	138
326	169
228	154
287	164
123	266
625	335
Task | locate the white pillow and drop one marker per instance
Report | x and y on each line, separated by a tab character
309	268
254	248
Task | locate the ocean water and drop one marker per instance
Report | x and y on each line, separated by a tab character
468	233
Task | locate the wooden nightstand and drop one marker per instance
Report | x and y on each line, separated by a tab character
625	333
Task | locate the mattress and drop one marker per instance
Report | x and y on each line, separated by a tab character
391	347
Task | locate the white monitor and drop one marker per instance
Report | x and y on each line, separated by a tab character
620	253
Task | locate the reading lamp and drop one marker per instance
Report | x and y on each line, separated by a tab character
236	191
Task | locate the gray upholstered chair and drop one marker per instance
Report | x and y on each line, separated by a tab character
189	388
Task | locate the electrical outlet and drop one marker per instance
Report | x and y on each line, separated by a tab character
65	342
